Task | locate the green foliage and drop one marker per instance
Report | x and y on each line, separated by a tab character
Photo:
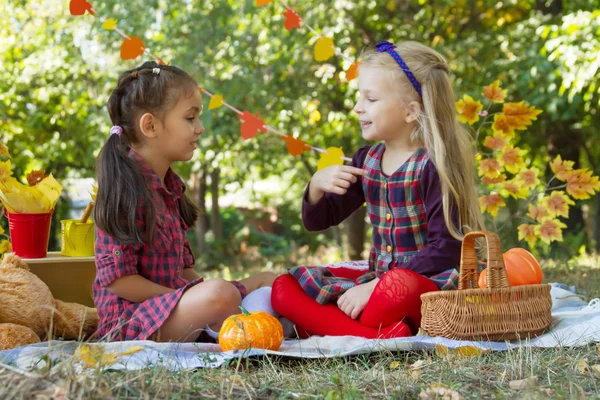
56	72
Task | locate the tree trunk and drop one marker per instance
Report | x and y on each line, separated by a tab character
355	228
595	215
216	224
200	199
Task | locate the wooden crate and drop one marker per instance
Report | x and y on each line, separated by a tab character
69	278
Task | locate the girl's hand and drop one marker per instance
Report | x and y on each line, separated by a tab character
353	302
335	179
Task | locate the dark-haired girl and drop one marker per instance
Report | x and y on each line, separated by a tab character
145	286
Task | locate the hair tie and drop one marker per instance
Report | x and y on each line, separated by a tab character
387	47
156	71
116	130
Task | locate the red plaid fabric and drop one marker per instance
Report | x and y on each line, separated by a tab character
162	262
397	212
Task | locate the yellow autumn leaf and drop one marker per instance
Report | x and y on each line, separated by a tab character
468	109
550	230
131	350
332	157
501	126
5	170
582	366
441	350
324	48
489	167
513	188
19	198
511	158
394	364
537	213
1	230
314	117
5	246
4	151
529	177
519	115
459	352
496	142
491	204
494	93
557	204
528	233
94	356
581	185
493	181
215	102
94	193
561	168
110	24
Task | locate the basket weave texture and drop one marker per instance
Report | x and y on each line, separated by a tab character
497	313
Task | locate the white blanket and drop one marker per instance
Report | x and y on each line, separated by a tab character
575	323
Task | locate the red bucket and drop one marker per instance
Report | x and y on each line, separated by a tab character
29	233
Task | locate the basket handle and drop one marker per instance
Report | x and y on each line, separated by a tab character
496	271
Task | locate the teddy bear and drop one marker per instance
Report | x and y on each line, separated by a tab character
29	312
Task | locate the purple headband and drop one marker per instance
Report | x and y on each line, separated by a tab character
389	48
116	130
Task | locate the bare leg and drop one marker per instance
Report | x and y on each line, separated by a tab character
207	303
259	280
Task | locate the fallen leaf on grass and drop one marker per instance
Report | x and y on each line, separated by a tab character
438	391
527	383
419	364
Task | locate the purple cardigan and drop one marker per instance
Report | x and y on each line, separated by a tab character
442	250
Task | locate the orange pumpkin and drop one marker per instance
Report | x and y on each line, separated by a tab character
521	267
257	330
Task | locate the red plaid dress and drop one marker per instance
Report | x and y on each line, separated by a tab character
406	213
162	263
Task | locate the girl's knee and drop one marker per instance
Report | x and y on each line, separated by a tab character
218	292
268	278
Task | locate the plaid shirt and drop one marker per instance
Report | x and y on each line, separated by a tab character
401	222
162	262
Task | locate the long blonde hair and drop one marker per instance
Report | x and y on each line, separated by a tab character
448	143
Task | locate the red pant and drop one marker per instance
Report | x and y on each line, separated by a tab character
394	309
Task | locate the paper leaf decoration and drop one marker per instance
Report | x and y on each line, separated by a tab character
79	7
94	193
262	2
132	48
352	72
332	157
251	125
295	146
215	102
35	177
109	24
292	19
324	48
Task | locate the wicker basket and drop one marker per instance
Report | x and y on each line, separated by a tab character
499	312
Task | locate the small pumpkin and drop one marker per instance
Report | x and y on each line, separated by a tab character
257	330
521	268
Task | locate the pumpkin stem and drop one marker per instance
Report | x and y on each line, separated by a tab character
244	311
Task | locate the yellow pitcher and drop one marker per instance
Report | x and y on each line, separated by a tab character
77	238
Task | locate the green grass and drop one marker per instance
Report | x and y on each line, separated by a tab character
550	373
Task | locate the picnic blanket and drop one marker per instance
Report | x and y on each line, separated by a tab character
575	323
